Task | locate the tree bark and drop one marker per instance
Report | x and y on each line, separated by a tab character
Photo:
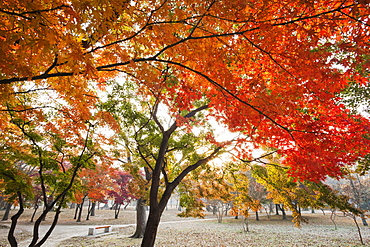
34	212
117	209
8	206
151	228
93	206
140	219
363	218
14	218
79	207
283	211
257	217
88	211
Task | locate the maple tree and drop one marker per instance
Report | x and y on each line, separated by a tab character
169	147
208	187
55	179
44	146
250	195
271	70
286	192
233	52
95	184
120	191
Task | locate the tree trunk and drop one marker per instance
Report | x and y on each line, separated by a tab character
140	219
79	207
245	224
76	211
219	214
34	242
8	206
88	211
283	211
14	218
277	209
257	217
151	228
363	218
267	212
93	205
117	208
34	211
271	208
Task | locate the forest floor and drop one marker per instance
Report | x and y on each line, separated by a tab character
189	232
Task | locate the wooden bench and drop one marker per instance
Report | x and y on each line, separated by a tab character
92	230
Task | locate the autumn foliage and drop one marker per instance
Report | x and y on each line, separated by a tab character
270	70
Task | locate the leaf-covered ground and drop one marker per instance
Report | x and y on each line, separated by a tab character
267	232
273	231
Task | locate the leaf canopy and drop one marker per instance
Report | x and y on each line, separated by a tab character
271	70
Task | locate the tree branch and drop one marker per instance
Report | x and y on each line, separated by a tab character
154	57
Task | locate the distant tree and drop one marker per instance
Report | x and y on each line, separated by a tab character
289	193
356	188
210	188
120	191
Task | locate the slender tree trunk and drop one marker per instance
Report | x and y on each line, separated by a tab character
54	223
117	208
140	219
76	211
34	211
245	224
332	218
14	218
277	209
363	218
8	206
283	211
267	213
93	206
79	215
219	214
88	211
358	230
271	208
257	217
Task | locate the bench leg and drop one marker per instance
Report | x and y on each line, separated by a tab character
108	229
92	231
